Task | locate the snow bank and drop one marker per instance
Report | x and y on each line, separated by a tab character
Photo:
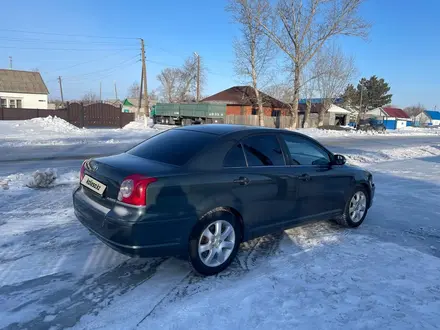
407	131
393	154
54	124
47	178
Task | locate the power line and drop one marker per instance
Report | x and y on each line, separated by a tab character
67	49
96	76
7	39
108	69
86	62
68	35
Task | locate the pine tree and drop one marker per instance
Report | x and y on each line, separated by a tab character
374	93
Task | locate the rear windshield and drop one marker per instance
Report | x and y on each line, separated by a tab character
175	146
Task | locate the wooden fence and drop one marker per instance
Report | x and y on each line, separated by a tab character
92	115
275	122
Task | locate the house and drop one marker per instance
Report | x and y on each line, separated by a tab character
22	89
428	118
241	100
131	104
335	115
393	118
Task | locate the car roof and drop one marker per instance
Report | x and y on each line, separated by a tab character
223	129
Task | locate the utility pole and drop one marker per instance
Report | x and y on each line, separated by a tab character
10	62
198	77
100	91
61	89
116	91
360	104
144	79
140	95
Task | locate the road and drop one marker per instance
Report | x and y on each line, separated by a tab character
54	274
34	157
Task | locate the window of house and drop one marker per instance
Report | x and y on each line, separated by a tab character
3	103
304	152
19	104
263	150
12	103
276	113
254	111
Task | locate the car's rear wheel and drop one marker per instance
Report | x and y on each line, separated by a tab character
356	209
214	242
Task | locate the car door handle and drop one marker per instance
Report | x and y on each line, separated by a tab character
242	180
305	177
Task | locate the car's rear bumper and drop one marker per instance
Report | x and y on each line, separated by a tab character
129	231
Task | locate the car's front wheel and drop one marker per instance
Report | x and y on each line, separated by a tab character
214	242
356	208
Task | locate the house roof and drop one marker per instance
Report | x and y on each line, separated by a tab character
243	95
321	100
338	110
15	81
435	115
316	107
395	112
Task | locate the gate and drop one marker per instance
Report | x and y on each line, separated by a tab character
102	115
75	114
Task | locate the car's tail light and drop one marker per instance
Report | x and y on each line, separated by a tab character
81	171
133	189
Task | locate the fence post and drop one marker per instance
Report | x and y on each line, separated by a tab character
82	115
2	114
120	116
38	113
68	111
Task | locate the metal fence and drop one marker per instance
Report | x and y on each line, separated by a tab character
92	115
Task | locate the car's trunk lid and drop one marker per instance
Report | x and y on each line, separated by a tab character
112	170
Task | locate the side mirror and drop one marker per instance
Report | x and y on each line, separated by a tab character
339	160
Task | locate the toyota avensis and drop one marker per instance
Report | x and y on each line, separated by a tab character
200	191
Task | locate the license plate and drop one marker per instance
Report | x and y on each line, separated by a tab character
93	184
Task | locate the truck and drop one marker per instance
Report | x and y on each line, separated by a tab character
189	113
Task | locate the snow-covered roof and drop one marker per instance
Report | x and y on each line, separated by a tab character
338	110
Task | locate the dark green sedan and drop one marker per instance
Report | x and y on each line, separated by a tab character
199	191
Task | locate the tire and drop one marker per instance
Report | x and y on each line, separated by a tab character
348	219
206	262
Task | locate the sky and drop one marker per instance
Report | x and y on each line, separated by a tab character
89	43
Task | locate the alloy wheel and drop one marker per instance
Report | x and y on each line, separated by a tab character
216	243
358	206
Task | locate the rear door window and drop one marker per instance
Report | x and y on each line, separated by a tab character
263	150
176	146
235	157
304	152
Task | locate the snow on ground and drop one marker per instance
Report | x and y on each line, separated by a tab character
383	275
407	131
393	154
57	131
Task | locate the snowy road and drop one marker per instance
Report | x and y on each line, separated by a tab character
385	274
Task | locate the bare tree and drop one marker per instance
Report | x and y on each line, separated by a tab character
254	50
414	110
280	91
308	90
134	91
89	98
333	71
300	28
179	84
168	79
